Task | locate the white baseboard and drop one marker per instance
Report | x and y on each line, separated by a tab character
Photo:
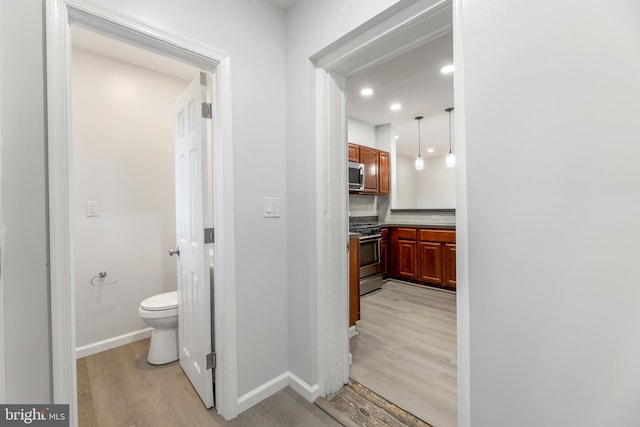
260	393
273	386
109	343
353	331
307	391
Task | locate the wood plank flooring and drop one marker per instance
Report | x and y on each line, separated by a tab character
119	388
405	350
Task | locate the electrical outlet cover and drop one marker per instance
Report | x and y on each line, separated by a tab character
93	208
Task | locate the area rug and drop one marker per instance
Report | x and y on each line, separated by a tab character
357	406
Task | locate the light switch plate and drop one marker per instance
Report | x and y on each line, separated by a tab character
93	208
271	207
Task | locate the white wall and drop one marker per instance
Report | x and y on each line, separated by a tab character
362	205
24	216
406	187
384	137
123	157
552	100
253	33
435	184
2	238
311	26
361	133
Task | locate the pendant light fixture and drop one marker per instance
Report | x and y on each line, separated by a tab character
419	159
451	158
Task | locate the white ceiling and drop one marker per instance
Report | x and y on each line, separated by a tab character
94	42
414	80
283	4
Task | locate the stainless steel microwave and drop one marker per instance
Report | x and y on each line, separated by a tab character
356	176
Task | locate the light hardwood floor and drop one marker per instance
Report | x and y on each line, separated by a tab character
405	350
119	388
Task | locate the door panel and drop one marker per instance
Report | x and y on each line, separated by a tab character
449	265
369	157
430	262
407	259
194	311
384	173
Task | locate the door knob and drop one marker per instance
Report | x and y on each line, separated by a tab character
175	251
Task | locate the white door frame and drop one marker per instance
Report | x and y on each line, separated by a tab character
59	15
397	30
2	345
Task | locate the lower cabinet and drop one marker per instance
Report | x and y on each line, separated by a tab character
384	252
449	262
354	280
426	256
407	257
430	255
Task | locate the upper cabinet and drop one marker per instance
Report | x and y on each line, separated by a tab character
353	152
369	158
377	170
384	173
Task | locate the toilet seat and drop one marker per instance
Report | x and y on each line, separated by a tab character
157	314
160	302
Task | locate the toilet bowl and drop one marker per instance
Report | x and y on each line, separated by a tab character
161	313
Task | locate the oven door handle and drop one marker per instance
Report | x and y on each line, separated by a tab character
367	238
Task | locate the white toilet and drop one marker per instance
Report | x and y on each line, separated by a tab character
161	312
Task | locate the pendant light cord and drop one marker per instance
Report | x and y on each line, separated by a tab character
450	131
418	119
419	154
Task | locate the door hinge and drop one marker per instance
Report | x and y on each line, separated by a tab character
208	235
206	110
211	361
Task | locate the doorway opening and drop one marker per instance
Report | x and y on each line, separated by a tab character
127	193
390	34
219	196
405	345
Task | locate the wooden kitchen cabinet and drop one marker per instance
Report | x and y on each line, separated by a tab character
377	168
404	253
384	252
384	175
354	280
430	266
369	157
449	263
353	152
425	256
407	259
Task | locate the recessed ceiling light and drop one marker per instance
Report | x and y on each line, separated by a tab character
367	91
395	107
447	69
430	150
396	137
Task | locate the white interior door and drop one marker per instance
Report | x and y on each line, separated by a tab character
194	310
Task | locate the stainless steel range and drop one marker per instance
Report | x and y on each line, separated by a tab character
370	262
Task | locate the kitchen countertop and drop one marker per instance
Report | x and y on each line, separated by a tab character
352	234
413	225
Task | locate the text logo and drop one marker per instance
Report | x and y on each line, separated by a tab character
34	415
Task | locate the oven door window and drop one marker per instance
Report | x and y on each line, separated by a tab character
369	253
